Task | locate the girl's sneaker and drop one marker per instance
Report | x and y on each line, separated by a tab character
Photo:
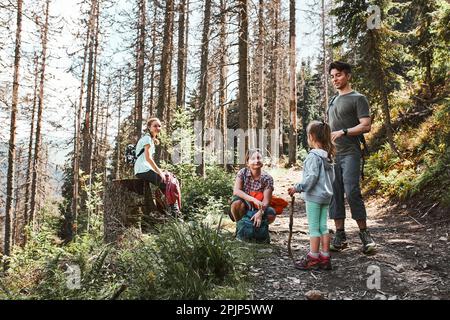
307	263
325	262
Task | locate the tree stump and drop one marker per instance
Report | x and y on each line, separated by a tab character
128	203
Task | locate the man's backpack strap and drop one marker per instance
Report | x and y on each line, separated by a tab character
329	105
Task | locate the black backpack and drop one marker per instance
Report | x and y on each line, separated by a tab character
130	154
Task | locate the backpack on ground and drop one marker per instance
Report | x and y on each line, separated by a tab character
246	231
173	190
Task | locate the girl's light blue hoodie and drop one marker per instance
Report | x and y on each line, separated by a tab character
318	177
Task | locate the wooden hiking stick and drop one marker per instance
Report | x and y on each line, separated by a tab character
291	223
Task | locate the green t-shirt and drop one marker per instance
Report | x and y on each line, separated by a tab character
141	165
344	113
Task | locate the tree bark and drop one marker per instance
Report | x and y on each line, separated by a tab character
165	71
119	148
274	123
293	89
204	80
30	150
243	100
141	66
153	61
223	80
12	134
87	126
37	143
382	80
324	49
261	78
17	224
182	55
94	100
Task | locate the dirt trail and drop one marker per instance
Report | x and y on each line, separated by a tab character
412	256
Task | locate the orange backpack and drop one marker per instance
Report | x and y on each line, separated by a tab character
277	203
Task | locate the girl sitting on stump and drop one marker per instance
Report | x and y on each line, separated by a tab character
145	166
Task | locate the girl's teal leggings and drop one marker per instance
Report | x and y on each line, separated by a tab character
317	218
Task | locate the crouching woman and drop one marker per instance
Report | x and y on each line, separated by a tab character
252	190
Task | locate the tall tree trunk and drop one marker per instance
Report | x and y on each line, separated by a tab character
87	126
141	66
204	80
387	121
96	141
169	81
30	151
382	80
165	60
15	216
182	54
243	101
105	136
37	143
274	123
223	79
324	49
70	228
186	44
94	100
12	134
261	80
153	62
165	72
119	148
293	89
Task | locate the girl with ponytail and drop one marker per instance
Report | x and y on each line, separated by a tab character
317	185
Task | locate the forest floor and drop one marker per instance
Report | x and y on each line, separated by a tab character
412	256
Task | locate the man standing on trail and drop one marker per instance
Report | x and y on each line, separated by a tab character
349	119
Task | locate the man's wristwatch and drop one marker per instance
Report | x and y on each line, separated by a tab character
345	131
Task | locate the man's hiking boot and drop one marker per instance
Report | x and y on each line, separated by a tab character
339	241
368	243
307	263
325	262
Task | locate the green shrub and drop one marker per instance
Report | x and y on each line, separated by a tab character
198	192
192	258
425	168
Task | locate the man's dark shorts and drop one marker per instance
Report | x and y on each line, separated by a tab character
347	174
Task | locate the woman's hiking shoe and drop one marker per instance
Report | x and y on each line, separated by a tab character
307	263
339	241
325	262
367	241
